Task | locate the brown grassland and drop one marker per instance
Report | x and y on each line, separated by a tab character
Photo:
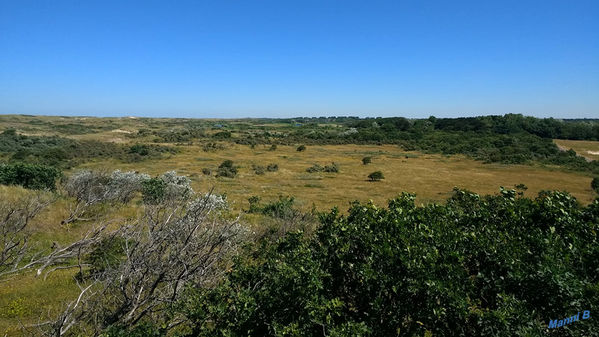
585	148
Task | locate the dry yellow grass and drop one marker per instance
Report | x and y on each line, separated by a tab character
586	148
431	177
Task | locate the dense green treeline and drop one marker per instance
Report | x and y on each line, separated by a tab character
499	265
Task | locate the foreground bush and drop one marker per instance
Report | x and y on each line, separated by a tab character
478	266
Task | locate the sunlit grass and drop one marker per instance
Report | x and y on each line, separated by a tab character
585	148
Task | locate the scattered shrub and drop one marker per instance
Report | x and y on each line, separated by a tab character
521	187
315	168
227	169
281	208
301	148
366	160
254	201
212	147
272	167
206	171
258	169
273	147
333	168
376	176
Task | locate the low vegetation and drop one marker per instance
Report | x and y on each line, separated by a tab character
376	176
227	169
30	176
91	251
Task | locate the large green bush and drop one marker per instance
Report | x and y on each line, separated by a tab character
30	176
478	266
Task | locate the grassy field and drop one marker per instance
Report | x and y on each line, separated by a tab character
27	299
585	148
431	177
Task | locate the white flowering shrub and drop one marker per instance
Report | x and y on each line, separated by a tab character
168	187
209	202
177	187
87	186
124	185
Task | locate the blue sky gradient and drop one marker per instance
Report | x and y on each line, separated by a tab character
300	58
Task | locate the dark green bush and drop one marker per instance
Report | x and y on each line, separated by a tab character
595	184
222	135
107	253
37	177
301	148
272	167
153	190
366	160
376	176
141	149
206	171
281	208
254	201
227	169
477	266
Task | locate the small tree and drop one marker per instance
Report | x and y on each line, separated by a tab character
301	148
366	160
595	184
376	176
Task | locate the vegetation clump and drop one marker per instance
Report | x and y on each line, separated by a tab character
333	168
377	271
595	184
376	176
301	148
227	169
259	169
37	177
366	160
166	187
212	147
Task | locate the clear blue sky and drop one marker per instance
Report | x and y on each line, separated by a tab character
288	58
